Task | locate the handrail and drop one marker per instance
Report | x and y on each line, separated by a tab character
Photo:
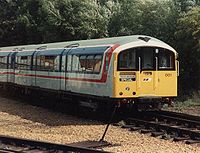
156	74
72	45
140	69
41	48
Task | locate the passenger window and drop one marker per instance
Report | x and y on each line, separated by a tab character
97	63
29	62
38	63
89	63
76	63
127	60
107	63
83	63
3	62
63	63
56	63
23	63
34	63
48	63
69	62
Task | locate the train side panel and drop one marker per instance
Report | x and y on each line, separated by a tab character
89	82
24	77
167	84
4	56
48	80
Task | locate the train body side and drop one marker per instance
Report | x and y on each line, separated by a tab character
28	71
124	69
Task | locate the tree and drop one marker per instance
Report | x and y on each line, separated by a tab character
188	43
186	5
22	22
155	18
81	19
8	16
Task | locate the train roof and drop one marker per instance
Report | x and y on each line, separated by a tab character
92	42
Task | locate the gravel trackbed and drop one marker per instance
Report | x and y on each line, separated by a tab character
25	121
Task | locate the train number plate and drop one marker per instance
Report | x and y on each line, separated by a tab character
126	78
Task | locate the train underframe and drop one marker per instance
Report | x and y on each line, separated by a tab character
81	103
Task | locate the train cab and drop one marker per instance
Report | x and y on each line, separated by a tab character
145	72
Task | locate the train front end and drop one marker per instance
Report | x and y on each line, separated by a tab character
145	74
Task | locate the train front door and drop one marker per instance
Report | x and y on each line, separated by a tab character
147	75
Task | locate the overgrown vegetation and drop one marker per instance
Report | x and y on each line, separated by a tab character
177	22
189	101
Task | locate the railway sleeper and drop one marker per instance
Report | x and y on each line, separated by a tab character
177	131
168	136
181	138
144	131
192	141
157	134
127	126
136	128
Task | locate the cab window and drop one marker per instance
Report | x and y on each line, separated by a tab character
147	55
127	60
166	60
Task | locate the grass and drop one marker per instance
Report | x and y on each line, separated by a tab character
192	101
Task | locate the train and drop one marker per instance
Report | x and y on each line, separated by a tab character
135	71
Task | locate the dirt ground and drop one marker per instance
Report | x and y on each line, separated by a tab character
25	121
193	110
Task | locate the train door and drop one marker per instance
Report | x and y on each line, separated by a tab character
11	67
35	68
64	59
166	74
146	82
8	67
63	71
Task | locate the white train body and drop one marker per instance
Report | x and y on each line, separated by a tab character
88	67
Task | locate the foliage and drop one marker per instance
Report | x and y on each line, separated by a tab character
155	18
186	5
81	19
37	21
191	101
188	43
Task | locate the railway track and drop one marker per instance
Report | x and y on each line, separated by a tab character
16	145
166	125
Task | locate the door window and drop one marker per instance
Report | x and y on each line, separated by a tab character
147	55
166	60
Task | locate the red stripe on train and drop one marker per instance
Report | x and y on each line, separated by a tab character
102	80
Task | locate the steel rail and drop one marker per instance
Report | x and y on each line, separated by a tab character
179	115
169	128
179	120
32	144
167	116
